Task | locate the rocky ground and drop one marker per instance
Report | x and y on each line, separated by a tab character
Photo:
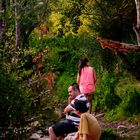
122	128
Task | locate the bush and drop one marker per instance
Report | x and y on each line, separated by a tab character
62	85
14	107
106	96
109	134
131	103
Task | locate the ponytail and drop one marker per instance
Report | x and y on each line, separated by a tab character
82	64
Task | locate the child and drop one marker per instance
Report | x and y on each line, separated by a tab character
89	128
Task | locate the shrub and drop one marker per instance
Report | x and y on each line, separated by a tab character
131	103
62	86
14	106
109	134
105	94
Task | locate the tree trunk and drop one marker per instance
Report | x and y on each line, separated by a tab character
137	27
17	25
2	24
3	5
0	5
122	49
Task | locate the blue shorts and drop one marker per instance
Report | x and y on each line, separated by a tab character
62	128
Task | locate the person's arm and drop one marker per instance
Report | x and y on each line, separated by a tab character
85	137
78	78
67	109
76	136
94	76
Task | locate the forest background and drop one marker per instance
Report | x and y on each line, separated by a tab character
41	43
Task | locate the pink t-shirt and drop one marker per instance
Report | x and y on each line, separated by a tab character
87	80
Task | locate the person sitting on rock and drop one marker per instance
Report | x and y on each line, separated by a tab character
58	130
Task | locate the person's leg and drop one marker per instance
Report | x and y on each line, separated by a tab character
70	136
57	131
60	138
89	97
52	136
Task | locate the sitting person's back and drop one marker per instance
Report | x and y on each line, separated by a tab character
89	128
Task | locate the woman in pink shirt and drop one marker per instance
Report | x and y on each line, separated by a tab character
86	79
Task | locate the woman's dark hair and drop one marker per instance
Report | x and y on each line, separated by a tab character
81	106
82	64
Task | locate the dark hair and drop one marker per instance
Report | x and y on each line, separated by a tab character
80	106
75	86
82	64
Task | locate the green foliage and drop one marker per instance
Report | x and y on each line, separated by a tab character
128	91
62	86
115	23
35	41
12	113
70	21
108	59
134	58
18	64
107	99
29	15
138	135
131	102
118	95
109	134
15	98
23	93
111	115
66	51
